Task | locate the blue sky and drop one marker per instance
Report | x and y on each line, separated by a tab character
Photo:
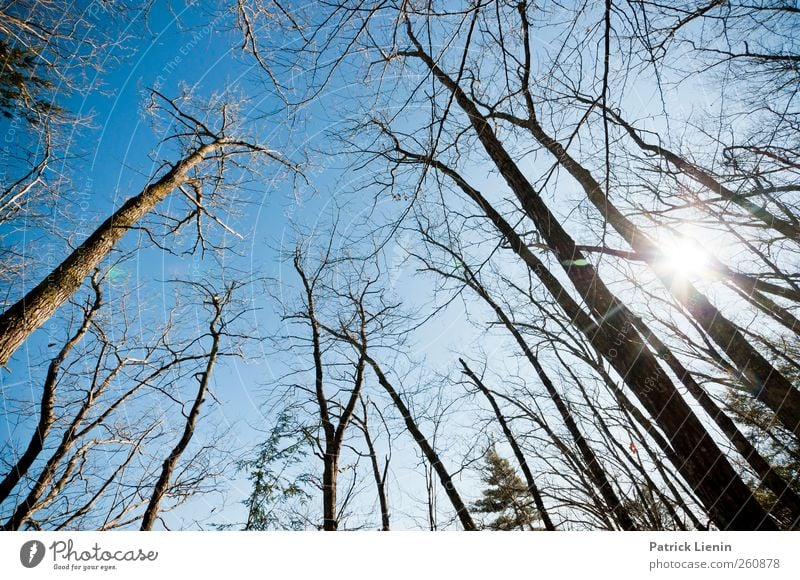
110	162
191	49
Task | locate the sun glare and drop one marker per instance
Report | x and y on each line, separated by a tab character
684	258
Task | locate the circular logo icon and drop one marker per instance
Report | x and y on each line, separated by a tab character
31	553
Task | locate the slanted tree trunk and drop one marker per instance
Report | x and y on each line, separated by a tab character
48	401
700	461
786	498
38	305
512	441
204	378
729	501
768	383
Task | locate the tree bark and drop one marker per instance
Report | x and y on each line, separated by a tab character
39	304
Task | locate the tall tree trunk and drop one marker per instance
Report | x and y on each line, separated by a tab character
768	384
329	472
723	493
787	499
168	467
48	401
39	304
330	453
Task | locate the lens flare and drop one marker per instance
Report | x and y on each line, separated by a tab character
684	258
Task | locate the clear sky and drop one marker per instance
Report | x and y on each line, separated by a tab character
192	49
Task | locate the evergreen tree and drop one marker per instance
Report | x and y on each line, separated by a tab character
506	496
278	493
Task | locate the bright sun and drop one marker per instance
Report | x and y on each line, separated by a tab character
684	258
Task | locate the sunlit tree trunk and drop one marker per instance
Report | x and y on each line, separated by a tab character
38	305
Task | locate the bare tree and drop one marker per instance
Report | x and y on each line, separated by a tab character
334	429
593	465
356	314
520	456
380	474
217	331
86	462
204	145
